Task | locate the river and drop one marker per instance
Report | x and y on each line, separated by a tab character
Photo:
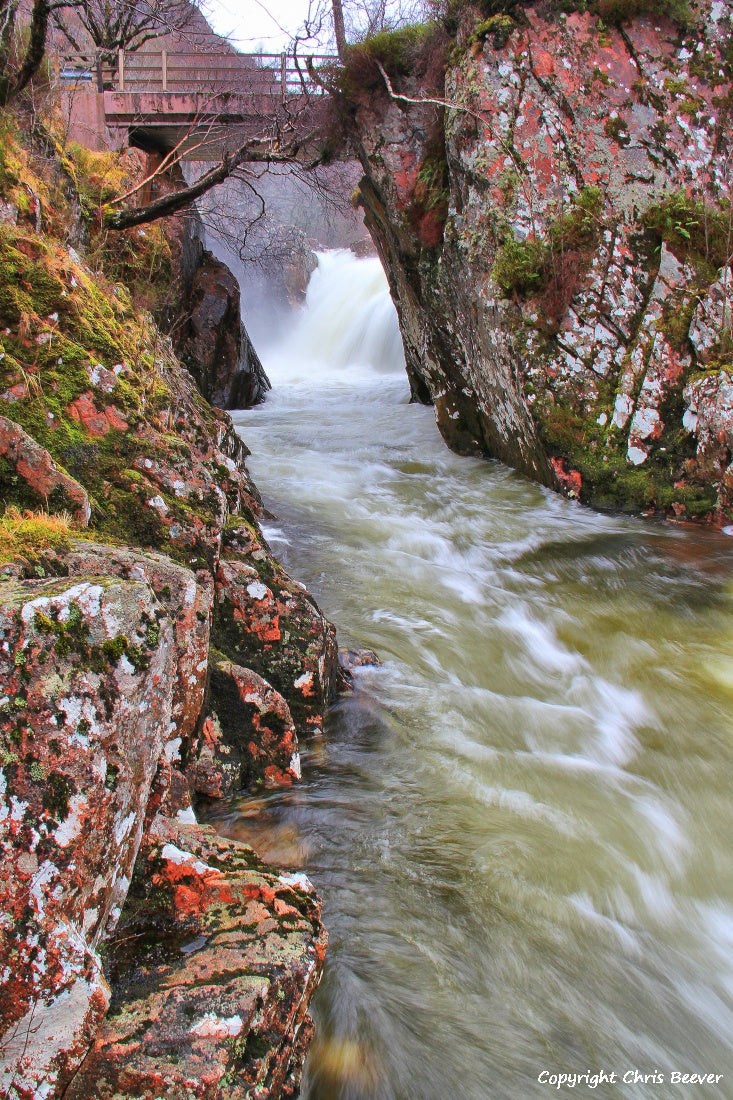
521	822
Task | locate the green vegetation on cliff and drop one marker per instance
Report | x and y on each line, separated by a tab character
83	368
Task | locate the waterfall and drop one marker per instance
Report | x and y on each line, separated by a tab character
347	329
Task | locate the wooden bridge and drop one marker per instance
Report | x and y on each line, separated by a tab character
201	103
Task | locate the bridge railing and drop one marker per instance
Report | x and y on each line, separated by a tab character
207	73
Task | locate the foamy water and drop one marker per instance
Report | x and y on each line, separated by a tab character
521	822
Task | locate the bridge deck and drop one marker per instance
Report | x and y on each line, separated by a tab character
204	102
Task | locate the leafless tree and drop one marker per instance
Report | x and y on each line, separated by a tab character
112	25
339	22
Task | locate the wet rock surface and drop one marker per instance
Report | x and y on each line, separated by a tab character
268	622
216	346
558	246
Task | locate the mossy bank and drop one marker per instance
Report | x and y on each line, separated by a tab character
131	542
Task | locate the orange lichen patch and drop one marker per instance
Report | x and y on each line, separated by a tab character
267	630
571	480
276	777
96	421
192	891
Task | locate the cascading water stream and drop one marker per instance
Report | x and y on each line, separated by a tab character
521	822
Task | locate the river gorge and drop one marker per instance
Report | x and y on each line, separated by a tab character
520	821
366	660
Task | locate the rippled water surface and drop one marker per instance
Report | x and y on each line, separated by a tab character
521	822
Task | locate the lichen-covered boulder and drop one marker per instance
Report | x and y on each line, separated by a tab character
187	600
44	482
267	622
216	962
256	732
87	666
557	237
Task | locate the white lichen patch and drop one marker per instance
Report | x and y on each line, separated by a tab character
71	826
623	408
645	423
176	855
123	827
298	880
172	750
158	504
636	455
257	590
87	596
212	1026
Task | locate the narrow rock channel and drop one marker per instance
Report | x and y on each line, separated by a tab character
520	821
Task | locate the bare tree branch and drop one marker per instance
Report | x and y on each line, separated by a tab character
263	151
114	25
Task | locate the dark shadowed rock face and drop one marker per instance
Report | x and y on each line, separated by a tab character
558	246
249	738
214	343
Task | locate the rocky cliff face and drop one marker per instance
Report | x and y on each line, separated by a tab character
558	240
212	341
200	308
151	651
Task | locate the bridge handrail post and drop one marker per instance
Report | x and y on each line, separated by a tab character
164	68
121	70
283	76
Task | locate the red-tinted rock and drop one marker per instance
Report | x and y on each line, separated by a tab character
85	715
256	722
102	693
215	966
47	483
579	270
96	421
266	621
215	767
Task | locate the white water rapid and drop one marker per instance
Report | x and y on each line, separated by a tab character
521	823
